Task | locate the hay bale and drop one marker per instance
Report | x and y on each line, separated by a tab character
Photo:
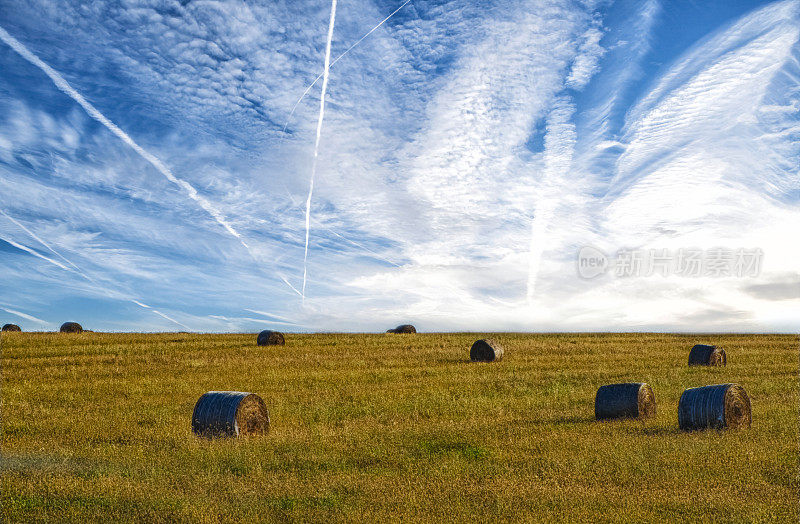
71	327
270	338
718	407
486	350
222	414
628	400
11	327
705	355
403	328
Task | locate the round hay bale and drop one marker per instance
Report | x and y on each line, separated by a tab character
11	327
718	407
628	400
486	350
270	338
705	355
404	328
222	414
71	327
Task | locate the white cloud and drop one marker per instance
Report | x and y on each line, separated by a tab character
446	133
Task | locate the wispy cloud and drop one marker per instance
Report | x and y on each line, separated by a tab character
468	151
64	86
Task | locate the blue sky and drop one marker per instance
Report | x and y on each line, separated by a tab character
469	151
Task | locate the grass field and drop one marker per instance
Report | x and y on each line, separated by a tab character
96	427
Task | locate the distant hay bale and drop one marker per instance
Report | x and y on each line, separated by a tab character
270	338
404	328
71	327
11	327
718	407
705	355
628	400
222	414
486	350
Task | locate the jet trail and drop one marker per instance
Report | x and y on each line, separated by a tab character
45	244
23	315
289	284
365	248
336	60
35	253
316	141
92	111
157	312
271	315
76	269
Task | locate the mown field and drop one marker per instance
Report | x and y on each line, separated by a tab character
96	427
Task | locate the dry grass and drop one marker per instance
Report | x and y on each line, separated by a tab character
96	427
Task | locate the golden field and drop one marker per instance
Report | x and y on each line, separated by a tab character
97	427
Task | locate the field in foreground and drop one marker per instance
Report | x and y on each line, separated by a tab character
387	427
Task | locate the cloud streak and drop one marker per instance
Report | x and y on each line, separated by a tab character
76	269
23	315
320	118
92	111
352	46
469	151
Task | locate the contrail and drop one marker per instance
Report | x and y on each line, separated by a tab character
316	222
559	148
289	284
75	269
365	248
273	315
45	244
251	319
35	253
337	59
157	312
23	315
539	226
67	89
316	141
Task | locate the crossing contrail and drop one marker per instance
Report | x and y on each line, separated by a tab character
316	141
45	244
365	248
75	269
92	111
337	59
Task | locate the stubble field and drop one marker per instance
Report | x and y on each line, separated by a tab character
97	427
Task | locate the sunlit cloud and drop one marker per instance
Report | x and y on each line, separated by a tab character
469	150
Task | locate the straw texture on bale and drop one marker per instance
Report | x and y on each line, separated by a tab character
223	414
71	327
404	328
705	355
270	338
486	350
628	400
11	327
717	407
